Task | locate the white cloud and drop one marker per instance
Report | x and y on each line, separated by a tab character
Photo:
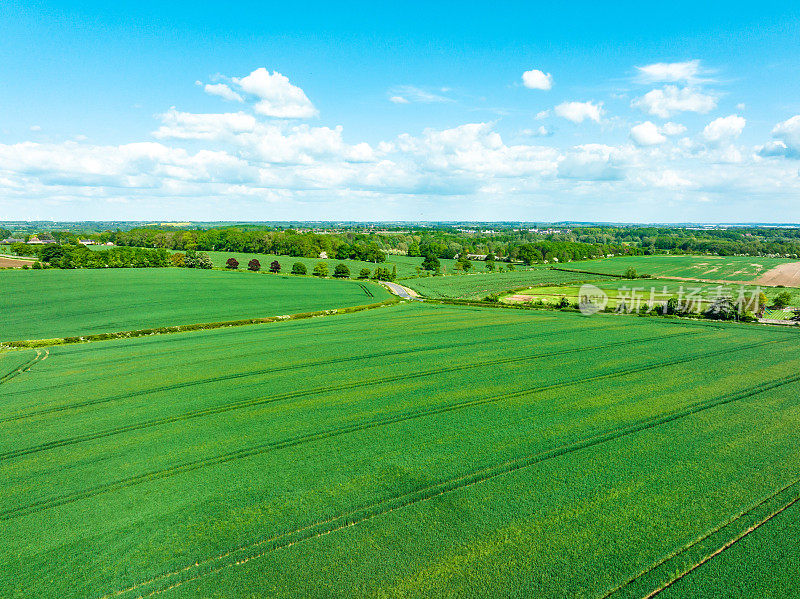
543	114
724	130
535	79
35	128
277	97
591	162
670	72
671	99
540	131
577	112
223	91
404	94
788	133
670	129
188	125
647	134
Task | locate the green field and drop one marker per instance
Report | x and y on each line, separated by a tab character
479	285
660	290
36	304
727	268
411	451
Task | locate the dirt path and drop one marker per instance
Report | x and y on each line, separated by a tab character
400	290
786	274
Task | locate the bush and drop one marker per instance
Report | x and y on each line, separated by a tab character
275	267
782	300
630	273
364	274
232	263
341	271
178	259
430	262
203	261
254	265
37	265
321	270
298	268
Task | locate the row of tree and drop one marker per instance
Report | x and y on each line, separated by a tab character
340	271
79	256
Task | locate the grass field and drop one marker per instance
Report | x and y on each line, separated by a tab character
661	290
479	285
37	304
411	451
727	268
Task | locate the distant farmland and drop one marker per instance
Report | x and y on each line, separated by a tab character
412	451
55	303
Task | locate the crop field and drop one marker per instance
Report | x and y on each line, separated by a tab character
723	268
479	285
660	290
408	451
406	265
37	304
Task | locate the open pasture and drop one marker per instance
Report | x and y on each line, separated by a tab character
713	268
410	451
36	304
479	285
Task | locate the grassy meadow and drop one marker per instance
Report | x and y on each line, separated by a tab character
480	284
662	289
410	451
726	268
50	303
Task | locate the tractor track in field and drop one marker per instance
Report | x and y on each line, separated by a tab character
245	553
9	454
725	547
44	504
716	529
327	362
41	356
238	346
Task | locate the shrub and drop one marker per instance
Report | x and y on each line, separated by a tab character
298	268
232	263
341	271
630	273
782	300
364	274
321	270
430	262
178	259
254	265
275	267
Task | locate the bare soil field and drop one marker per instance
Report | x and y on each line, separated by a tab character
6	262
785	274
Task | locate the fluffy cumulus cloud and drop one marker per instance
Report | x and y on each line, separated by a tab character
536	79
671	100
577	112
276	96
670	72
647	134
724	130
223	91
787	139
261	154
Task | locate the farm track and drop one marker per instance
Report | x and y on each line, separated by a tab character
244	553
40	505
295	394
708	534
327	362
41	355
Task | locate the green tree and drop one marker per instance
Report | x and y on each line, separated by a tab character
321	270
364	273
630	273
341	271
430	262
298	268
781	300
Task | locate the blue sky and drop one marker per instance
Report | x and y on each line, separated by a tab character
365	111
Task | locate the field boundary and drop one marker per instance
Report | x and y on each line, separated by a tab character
391	504
182	328
43	504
